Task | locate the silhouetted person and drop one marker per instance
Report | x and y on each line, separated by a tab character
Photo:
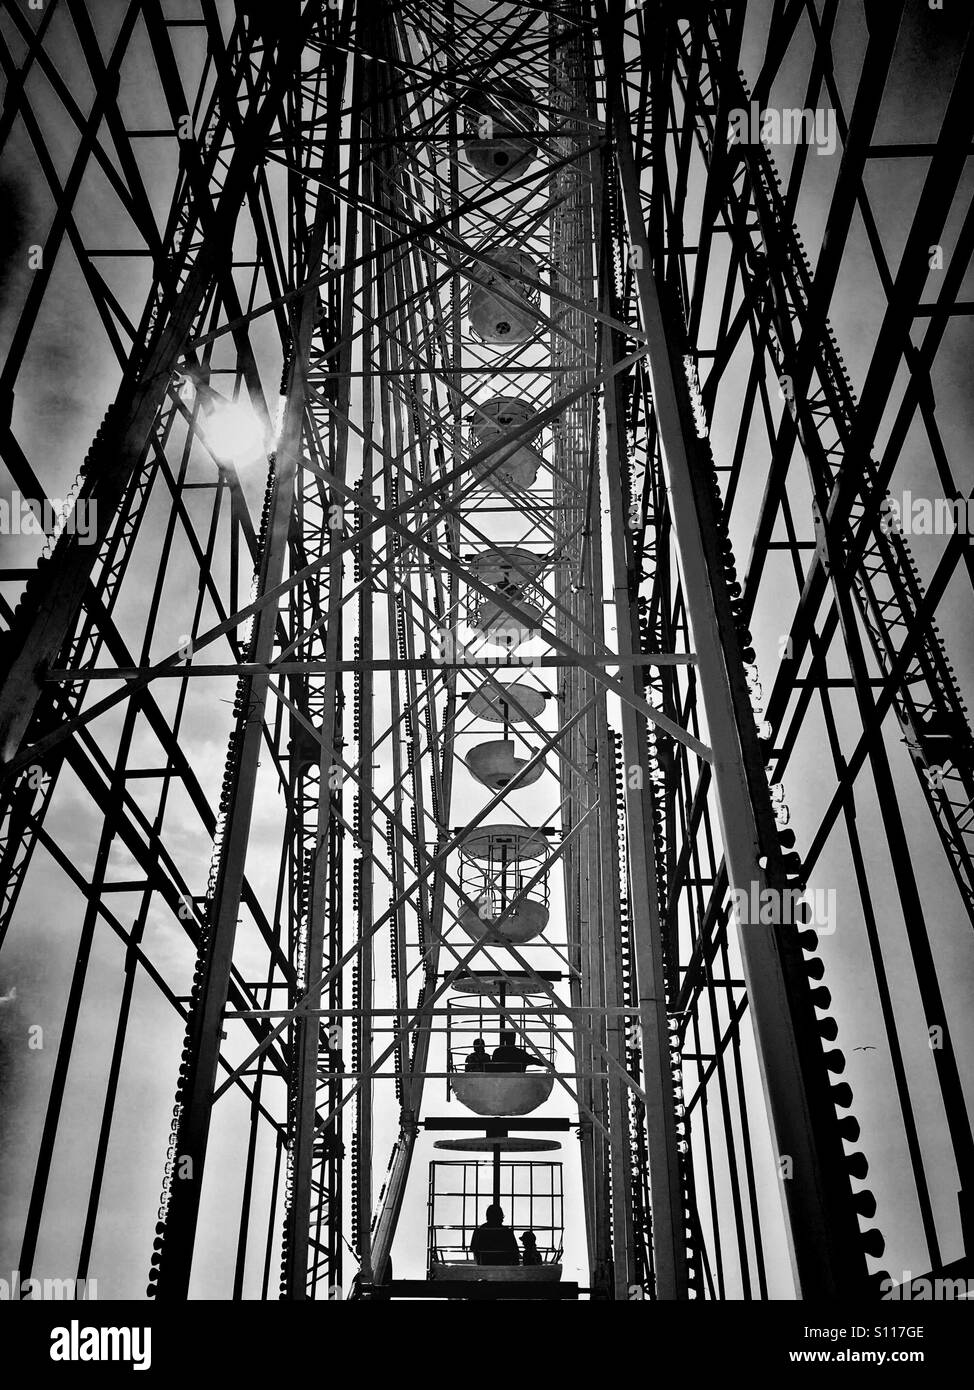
493	1243
508	1057
477	1060
532	1255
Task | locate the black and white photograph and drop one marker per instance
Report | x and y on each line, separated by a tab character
486	667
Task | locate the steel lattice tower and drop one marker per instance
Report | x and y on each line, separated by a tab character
540	638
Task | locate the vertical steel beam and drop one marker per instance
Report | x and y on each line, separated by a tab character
665	1178
822	1229
325	900
205	1027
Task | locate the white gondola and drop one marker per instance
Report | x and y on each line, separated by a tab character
502	308
496	765
502	1093
515	464
515	703
522	923
514	573
505	901
500	141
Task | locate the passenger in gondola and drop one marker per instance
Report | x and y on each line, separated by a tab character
531	1255
508	1057
493	1243
478	1059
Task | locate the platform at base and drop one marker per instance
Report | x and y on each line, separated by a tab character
501	1282
473	1273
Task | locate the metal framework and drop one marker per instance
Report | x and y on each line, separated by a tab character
436	694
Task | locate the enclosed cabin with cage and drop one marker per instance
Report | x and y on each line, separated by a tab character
504	299
516	575
498	1225
510	465
500	130
504	883
500	1051
510	763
